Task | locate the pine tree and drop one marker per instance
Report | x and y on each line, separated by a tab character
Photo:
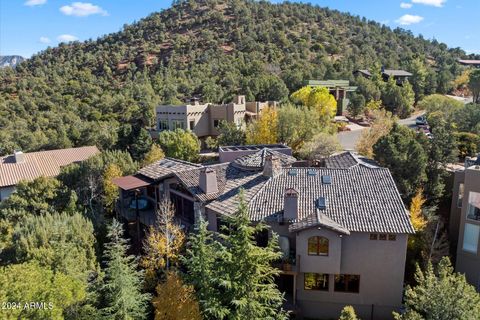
123	282
175	300
250	288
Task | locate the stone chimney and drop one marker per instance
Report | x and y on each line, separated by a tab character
208	180
272	166
290	204
19	156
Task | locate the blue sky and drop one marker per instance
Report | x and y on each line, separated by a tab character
28	26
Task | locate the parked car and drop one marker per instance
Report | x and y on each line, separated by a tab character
421	121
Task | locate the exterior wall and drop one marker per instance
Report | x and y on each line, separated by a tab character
331	263
381	266
5	192
455	210
467	262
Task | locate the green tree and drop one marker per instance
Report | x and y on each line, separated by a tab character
123	282
180	144
356	105
398	99
439	103
29	282
60	242
297	125
468	144
441	295
467	118
155	154
321	146
250	278
348	313
474	85
419	77
141	144
400	152
230	134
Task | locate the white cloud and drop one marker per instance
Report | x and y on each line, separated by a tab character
32	3
44	40
408	19
66	38
405	5
435	3
82	9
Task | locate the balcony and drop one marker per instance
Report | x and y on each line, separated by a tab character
127	208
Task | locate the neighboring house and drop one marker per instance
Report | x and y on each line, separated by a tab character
472	63
343	225
339	89
29	166
204	119
399	75
465	220
230	153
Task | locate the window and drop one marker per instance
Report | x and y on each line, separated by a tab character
315	281
347	283
473	209
392	237
382	236
470	238
192	124
162	124
178	124
317	246
216	123
460	195
373	236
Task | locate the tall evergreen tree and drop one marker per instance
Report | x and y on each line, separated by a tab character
123	282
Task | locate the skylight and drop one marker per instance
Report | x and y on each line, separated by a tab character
311	172
321	203
326	179
292	172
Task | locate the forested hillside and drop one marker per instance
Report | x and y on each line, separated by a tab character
87	92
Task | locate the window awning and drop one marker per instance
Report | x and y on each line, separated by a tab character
130	182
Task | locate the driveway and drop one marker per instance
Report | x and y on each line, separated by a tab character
348	139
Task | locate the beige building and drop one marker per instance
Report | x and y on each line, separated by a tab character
29	166
465	220
342	226
204	119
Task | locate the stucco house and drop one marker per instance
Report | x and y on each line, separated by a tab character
29	166
204	119
341	224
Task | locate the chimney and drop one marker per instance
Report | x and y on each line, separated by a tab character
19	156
271	167
239	100
208	180
290	204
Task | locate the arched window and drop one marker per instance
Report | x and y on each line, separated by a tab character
317	246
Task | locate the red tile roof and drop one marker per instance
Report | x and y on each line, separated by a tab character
42	163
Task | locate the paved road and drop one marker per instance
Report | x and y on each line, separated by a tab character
349	139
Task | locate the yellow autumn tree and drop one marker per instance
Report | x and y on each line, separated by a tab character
416	215
175	300
263	130
162	244
318	98
155	154
381	126
110	190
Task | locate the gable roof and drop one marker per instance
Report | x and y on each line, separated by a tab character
41	163
166	167
362	199
397	73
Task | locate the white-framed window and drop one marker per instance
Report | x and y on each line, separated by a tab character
162	124
473	209
470	237
178	124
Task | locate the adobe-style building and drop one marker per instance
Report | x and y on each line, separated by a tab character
204	119
400	76
29	166
337	88
342	226
465	220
